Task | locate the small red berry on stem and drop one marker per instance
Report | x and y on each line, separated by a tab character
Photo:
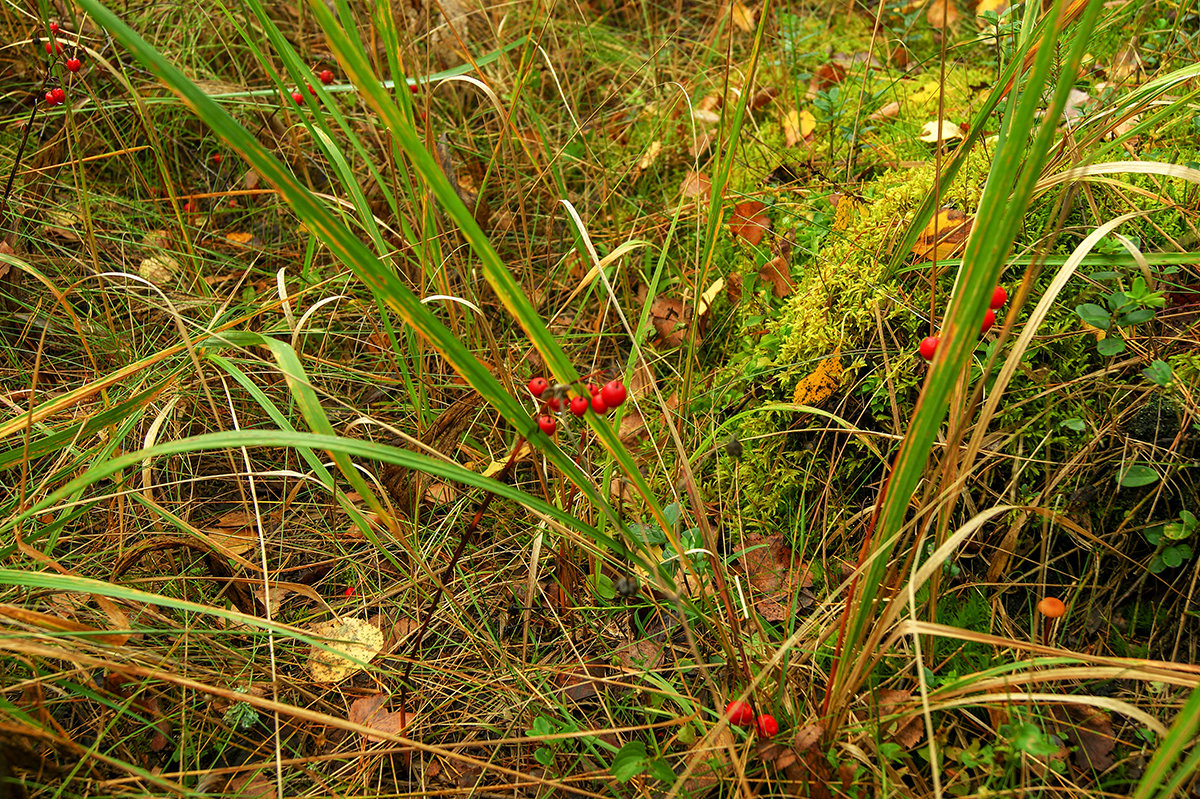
54	27
999	297
60	96
50	101
538	386
349	591
598	404
928	347
547	424
188	207
593	390
74	65
218	158
613	393
554	404
989	319
579	405
298	97
311	90
326	76
54	47
768	727
740	713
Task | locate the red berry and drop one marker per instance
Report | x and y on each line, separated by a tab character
188	207
740	713
326	76
999	297
554	404
60	96
547	424
768	727
928	347
598	404
311	90
218	158
74	65
613	393
349	591
538	386
593	390
298	97
579	405
412	87
989	319
50	99
54	47
54	27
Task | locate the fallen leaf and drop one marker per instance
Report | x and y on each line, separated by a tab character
997	6
1091	730
158	268
829	74
943	14
696	186
944	236
822	383
743	17
777	575
710	295
905	731
749	222
933	132
670	320
650	156
887	112
798	126
632	429
775	273
763	97
369	711
240	239
352	639
585	681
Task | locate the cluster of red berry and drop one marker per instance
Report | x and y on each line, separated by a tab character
929	344
57	95
601	400
742	715
326	78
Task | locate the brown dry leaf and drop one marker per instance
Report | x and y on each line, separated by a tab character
749	222
353	638
440	493
1091	730
670	320
906	731
763	97
248	785
250	180
369	711
743	16
887	112
803	762
943	14
696	185
711	759
775	273
57	624
632	429
585	681
944	236
829	74
777	574
640	654
822	384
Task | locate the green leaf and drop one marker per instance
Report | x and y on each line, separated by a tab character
1094	315
1189	520
1176	532
629	762
1158	372
1137	475
544	755
1156	565
1172	557
1077	425
602	586
1137	317
1110	346
1154	534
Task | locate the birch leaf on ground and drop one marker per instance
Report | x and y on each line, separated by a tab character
355	639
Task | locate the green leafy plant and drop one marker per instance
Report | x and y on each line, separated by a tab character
1169	540
1122	309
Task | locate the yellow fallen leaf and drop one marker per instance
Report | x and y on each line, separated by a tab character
932	131
743	17
798	126
943	14
996	6
822	383
351	639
